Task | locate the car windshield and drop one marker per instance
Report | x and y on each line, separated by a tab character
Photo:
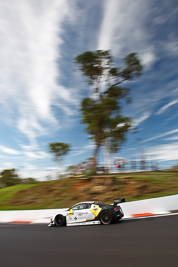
80	206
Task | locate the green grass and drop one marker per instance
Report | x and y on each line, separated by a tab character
9	192
6	194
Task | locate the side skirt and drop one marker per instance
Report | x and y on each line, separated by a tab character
84	223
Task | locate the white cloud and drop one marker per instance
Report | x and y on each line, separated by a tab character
91	145
120	125
77	151
30	167
172	138
175	91
31	37
37	172
138	121
148	58
7	165
39	175
164	152
172	47
36	155
8	150
161	135
33	152
122	31
165	107
29	147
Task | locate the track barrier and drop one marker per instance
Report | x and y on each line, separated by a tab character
133	209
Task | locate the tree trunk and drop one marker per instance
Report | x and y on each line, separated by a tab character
95	158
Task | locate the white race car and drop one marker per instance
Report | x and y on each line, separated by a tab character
89	212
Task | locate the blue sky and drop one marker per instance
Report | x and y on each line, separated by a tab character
41	88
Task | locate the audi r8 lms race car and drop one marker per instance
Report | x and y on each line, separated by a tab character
89	212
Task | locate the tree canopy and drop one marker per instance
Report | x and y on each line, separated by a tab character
9	177
58	150
102	111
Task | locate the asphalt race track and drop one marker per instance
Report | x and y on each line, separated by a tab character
141	242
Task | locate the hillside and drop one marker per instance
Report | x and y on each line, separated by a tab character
68	191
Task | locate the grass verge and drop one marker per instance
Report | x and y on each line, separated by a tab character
68	191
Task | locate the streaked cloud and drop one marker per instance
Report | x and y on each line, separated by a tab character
10	151
137	122
120	22
31	37
174	138
77	151
164	152
36	155
165	107
161	135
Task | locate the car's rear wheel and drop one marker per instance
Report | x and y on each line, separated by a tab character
60	220
106	217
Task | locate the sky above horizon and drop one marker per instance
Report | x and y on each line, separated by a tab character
41	89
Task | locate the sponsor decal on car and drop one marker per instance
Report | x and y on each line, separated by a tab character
96	210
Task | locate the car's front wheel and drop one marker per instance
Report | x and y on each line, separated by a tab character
106	217
60	220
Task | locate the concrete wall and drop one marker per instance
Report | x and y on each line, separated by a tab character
160	205
131	209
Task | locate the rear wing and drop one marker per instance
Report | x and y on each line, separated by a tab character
118	200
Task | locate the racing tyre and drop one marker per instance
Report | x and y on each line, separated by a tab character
106	217
60	220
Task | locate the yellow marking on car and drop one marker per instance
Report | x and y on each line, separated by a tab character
70	213
96	210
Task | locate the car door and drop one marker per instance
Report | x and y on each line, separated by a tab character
93	212
78	213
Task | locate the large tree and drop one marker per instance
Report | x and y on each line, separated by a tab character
102	110
9	177
59	150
